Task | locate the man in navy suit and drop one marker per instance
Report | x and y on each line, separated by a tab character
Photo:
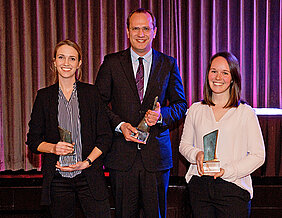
140	172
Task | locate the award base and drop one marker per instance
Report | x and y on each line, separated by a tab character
141	135
211	167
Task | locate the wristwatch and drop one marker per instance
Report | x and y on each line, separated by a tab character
89	161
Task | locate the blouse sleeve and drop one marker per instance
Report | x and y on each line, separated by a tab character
255	150
187	147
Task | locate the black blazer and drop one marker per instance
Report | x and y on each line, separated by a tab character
117	87
95	131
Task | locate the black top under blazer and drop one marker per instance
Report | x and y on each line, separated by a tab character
95	131
117	87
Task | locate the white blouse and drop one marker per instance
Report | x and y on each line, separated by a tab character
240	145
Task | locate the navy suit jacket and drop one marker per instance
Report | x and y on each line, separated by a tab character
95	131
117	87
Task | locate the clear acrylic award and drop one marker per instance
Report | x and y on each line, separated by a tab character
69	159
211	163
143	128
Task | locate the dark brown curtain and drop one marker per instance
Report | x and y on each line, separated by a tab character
189	30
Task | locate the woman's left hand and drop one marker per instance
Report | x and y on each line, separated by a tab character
81	165
219	174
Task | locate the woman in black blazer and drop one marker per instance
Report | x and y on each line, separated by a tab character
76	107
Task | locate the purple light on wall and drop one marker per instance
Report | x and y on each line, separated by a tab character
125	12
190	55
213	28
115	26
202	50
189	58
102	47
90	43
255	56
38	39
53	21
280	57
241	38
202	76
76	21
161	28
228	25
266	55
64	20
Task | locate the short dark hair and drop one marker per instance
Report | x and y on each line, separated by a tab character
71	44
235	86
141	10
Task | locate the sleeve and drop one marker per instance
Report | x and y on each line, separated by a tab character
104	84
175	94
187	147
255	152
35	135
104	132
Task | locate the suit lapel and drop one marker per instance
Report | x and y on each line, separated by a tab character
53	103
128	71
154	75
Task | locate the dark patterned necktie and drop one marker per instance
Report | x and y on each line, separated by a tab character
140	79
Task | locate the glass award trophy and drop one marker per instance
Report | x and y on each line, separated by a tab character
143	128
211	163
69	159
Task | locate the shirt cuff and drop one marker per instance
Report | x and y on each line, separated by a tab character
117	129
160	120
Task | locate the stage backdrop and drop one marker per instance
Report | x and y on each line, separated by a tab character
189	30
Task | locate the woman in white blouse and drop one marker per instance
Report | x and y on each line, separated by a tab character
240	147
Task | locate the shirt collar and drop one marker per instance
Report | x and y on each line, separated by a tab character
74	88
146	57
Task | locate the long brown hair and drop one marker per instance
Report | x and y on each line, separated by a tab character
235	86
77	48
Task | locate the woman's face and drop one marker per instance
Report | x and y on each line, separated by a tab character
67	62
219	76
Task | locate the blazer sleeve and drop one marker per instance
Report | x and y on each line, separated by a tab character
104	84
104	133
177	106
35	135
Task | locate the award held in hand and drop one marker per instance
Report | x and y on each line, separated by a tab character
69	159
143	128
211	163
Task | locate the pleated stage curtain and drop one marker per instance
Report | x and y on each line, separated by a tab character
189	30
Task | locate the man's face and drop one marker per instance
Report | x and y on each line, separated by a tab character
141	33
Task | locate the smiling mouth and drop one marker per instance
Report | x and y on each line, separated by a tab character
141	40
218	84
66	69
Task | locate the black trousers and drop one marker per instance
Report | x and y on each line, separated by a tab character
138	188
64	192
211	197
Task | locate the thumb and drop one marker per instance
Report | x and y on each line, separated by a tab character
132	129
128	126
158	106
